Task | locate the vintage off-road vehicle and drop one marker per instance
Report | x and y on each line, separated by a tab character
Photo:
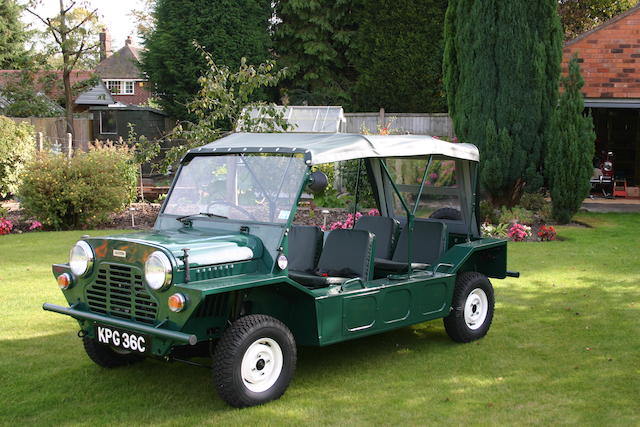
225	271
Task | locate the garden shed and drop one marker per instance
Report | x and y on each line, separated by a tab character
112	121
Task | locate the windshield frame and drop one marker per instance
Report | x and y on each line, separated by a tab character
214	219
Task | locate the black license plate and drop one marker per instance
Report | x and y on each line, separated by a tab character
122	339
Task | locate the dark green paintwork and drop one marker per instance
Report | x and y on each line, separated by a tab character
220	292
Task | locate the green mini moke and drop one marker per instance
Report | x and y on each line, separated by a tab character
226	273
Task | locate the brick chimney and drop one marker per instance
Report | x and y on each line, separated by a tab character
105	44
128	41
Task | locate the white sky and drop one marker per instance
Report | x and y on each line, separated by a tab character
113	13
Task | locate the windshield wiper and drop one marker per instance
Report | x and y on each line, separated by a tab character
186	218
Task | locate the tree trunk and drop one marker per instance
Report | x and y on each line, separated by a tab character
68	98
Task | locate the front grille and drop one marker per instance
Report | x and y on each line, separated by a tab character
118	291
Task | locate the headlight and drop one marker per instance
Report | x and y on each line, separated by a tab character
81	258
157	271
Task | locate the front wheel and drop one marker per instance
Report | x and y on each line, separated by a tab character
471	308
106	356
254	361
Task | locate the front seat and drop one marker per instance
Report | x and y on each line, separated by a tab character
305	245
347	254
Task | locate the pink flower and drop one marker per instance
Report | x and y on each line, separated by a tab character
5	226
35	225
373	212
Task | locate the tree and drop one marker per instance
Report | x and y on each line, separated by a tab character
312	41
570	152
144	19
229	29
73	30
224	103
397	54
501	73
13	36
579	16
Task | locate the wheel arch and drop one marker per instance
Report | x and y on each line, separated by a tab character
294	307
486	256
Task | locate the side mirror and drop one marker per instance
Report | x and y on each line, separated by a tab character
318	181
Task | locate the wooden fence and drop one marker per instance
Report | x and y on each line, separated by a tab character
51	131
435	124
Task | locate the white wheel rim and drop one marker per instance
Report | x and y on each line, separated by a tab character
261	365
476	308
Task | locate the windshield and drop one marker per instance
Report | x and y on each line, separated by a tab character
258	187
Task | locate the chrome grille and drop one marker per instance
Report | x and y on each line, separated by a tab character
118	291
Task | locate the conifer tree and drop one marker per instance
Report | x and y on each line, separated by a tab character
397	54
570	152
501	69
13	36
229	30
312	40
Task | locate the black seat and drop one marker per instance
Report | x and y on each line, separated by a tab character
386	231
305	245
346	254
429	242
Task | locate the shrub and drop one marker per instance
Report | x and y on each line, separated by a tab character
17	147
5	226
547	233
570	151
533	201
487	212
519	232
515	214
490	230
83	191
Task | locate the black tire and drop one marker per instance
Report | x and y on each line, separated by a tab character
456	323
241	339
447	213
106	357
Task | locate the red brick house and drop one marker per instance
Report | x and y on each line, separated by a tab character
610	64
120	72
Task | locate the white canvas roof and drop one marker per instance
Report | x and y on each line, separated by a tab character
336	147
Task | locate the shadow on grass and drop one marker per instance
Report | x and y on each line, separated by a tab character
537	343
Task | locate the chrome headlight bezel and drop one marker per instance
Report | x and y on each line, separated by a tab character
158	271
79	266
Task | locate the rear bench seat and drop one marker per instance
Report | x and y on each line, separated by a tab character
346	254
428	245
386	231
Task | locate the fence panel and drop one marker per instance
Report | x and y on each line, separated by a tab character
435	124
54	131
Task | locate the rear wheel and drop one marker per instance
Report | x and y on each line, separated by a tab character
106	356
471	308
254	361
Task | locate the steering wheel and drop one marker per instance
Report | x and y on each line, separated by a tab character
231	205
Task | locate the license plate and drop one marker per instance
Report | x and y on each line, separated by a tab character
123	340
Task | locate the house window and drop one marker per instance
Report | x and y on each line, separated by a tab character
114	86
128	88
108	123
120	87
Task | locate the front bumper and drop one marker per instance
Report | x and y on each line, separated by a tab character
166	336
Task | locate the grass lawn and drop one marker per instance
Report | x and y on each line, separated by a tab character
564	348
